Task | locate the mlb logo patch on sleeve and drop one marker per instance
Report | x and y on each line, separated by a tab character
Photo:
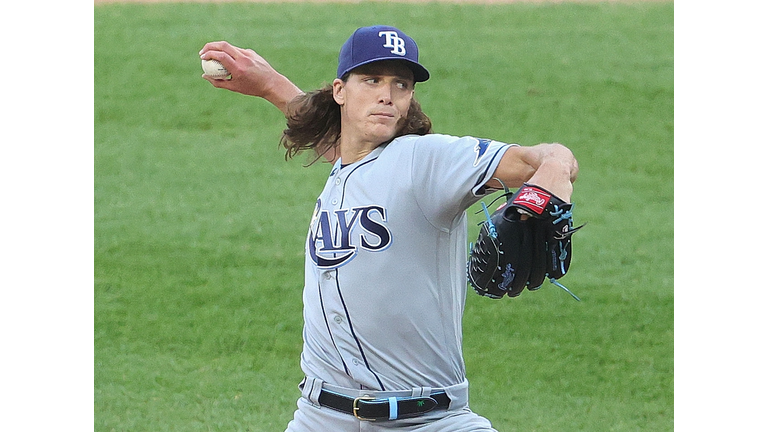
480	148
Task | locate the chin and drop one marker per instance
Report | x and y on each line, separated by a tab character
384	135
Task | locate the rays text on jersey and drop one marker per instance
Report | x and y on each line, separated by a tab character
337	236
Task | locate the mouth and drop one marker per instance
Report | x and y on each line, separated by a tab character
383	114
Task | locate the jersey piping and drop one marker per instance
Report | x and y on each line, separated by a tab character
328	325
343	302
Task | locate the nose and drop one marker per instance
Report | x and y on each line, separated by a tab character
385	95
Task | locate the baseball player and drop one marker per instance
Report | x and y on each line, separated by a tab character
386	251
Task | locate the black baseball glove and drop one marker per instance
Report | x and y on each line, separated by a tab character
524	242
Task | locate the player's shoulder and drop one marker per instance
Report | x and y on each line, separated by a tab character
444	142
431	139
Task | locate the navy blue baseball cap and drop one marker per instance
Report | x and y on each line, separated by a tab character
375	43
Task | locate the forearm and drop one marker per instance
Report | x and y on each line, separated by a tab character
550	166
280	92
556	169
556	177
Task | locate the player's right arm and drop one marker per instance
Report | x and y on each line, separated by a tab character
251	74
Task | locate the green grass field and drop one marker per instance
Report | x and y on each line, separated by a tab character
200	224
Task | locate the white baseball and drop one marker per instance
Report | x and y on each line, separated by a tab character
214	69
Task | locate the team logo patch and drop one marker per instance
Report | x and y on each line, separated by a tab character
480	148
394	41
533	199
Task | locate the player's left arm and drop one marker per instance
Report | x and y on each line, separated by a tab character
549	166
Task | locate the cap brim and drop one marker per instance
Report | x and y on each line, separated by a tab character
420	73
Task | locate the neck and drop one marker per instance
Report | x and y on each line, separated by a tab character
353	150
352	156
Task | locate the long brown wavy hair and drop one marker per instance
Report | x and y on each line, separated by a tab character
315	123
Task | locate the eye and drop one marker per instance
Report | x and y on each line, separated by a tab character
403	85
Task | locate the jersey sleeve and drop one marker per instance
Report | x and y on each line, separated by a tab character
450	173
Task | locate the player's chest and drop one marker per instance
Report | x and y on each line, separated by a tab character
353	216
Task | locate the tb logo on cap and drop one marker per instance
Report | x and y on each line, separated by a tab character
393	41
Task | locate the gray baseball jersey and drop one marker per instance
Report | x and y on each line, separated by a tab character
385	272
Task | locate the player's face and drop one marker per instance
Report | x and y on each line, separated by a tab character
373	100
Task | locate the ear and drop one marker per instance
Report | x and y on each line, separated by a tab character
338	91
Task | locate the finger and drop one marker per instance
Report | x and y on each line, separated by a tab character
217	55
215	46
227	60
212	50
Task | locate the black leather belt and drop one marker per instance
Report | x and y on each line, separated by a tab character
372	409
